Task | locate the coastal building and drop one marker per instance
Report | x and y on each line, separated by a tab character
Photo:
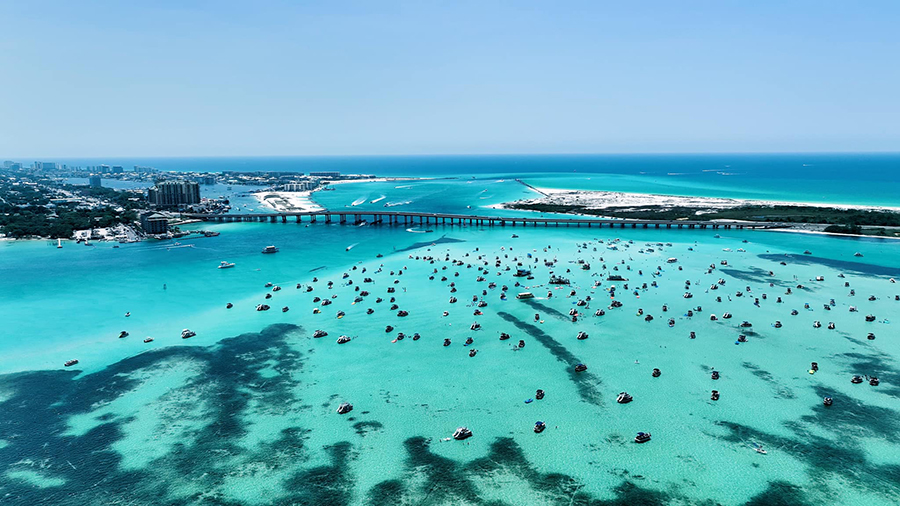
174	194
301	186
325	174
118	169
154	223
95	181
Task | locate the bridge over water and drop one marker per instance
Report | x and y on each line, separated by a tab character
422	219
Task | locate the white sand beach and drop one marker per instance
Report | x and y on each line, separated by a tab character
288	202
620	200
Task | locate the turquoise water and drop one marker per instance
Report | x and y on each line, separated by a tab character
244	412
842	178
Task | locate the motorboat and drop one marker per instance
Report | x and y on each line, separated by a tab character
642	437
446	342
402	313
462	433
187	333
504	336
656	373
827	401
148	339
580	368
229	305
70	363
539	427
856	380
285	309
123	334
624	398
715	375
343	339
539	394
262	307
226	265
270	249
344	408
715	395
473	352
873	381
745	324
582	335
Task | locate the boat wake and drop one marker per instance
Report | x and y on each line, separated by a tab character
392	204
379	199
351	246
358	201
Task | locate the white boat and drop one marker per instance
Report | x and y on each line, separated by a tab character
59	243
525	295
270	249
226	265
358	201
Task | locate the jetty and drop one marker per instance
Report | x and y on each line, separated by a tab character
406	218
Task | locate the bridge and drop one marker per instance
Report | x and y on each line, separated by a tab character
423	219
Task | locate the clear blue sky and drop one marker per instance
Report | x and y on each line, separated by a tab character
183	78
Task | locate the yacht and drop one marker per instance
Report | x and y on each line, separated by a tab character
462	433
270	249
226	265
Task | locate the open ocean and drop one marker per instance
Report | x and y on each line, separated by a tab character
245	411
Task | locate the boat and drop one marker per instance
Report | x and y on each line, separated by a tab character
59	245
270	249
616	277
462	433
525	295
344	408
379	199
715	375
671	260
873	381
656	373
122	334
760	449
642	437
624	398
580	368
229	305
715	395
539	394
343	339
581	335
857	254
187	333
226	265
856	380
358	201
539	427
827	401
70	363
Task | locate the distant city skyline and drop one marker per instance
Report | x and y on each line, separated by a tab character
196	79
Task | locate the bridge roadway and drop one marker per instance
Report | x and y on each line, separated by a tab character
417	218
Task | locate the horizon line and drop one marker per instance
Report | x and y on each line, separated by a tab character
467	155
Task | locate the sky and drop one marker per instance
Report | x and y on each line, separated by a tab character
222	78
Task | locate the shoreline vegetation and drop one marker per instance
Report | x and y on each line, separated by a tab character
832	219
